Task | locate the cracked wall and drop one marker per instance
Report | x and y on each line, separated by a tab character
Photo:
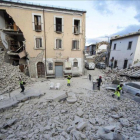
32	64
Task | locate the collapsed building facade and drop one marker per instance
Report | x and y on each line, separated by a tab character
93	53
44	41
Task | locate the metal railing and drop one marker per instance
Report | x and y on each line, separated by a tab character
58	27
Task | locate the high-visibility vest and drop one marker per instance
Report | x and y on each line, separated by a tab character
21	82
69	77
68	81
119	87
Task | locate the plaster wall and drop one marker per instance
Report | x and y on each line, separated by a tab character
122	53
23	18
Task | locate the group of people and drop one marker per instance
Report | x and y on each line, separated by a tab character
99	81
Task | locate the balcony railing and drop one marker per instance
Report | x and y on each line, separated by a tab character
59	28
38	28
76	30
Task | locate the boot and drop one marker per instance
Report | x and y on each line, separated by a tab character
118	98
113	95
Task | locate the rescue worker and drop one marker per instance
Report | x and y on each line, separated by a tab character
117	92
21	85
68	80
99	82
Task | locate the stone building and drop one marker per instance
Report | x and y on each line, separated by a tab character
44	41
125	50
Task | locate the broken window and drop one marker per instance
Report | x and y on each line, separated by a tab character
75	45
114	46
37	21
58	43
38	42
76	26
58	22
129	45
50	66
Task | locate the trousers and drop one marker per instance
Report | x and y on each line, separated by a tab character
117	93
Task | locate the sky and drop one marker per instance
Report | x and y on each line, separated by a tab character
104	18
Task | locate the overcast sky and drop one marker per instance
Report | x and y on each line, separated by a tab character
104	17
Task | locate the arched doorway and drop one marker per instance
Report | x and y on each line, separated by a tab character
40	70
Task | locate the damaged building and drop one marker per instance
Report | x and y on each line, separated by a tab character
12	40
43	41
125	50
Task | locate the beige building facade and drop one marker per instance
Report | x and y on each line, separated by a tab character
45	41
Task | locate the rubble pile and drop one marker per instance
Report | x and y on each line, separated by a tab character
9	76
93	117
112	75
1	56
122	74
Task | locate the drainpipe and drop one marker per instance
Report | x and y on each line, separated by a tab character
45	42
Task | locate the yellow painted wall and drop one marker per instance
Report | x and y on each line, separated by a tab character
23	19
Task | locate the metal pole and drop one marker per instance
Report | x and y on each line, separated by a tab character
45	42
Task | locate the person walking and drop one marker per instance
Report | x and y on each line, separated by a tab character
117	92
99	82
21	85
68	80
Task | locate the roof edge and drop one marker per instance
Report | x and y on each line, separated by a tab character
43	6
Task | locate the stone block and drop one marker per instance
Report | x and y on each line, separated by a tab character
81	125
108	129
60	96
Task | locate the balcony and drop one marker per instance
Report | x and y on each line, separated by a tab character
58	28
38	28
76	30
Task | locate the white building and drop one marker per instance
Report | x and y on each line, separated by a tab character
125	50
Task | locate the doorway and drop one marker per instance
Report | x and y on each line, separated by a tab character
58	69
125	64
40	70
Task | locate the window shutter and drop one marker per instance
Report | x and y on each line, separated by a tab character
60	43
40	42
77	45
73	44
80	30
37	43
57	43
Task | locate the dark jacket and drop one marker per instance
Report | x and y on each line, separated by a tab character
99	81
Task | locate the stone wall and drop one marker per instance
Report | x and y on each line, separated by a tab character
32	64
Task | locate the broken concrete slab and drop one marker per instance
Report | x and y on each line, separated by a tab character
124	122
71	98
60	96
81	125
105	136
118	136
115	116
108	129
9	123
80	112
10	102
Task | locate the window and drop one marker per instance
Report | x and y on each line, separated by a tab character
75	62
75	45
58	44
50	66
114	46
129	45
37	21
76	26
58	23
38	43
